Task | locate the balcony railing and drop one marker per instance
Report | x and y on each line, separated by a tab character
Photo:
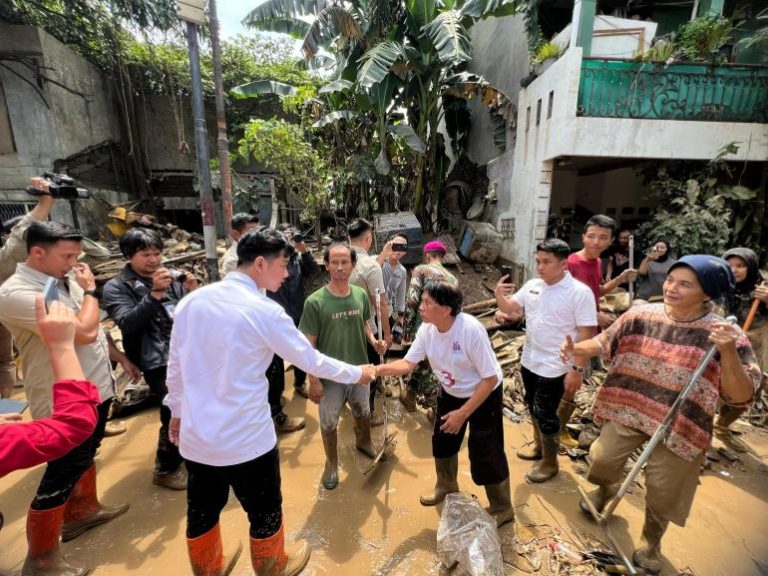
622	89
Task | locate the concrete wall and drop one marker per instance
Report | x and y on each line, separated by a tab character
500	49
69	123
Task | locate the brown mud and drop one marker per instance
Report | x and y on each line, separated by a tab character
375	525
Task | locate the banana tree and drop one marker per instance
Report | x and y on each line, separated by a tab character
399	54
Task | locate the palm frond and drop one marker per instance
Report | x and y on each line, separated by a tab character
272	9
294	27
331	22
378	61
449	37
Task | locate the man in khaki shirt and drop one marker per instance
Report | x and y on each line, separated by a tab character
13	251
66	498
369	276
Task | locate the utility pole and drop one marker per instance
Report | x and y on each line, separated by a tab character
192	12
222	142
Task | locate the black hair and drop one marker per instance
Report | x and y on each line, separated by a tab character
601	221
264	242
445	295
138	239
284	226
358	227
336	244
46	234
397	235
240	220
11	223
554	246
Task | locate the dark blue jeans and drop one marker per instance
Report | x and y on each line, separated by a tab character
256	485
542	396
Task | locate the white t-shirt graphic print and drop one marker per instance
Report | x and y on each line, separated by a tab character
460	357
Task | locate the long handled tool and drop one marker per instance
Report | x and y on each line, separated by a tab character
388	438
751	315
658	436
632	266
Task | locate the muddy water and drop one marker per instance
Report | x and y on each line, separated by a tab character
376	525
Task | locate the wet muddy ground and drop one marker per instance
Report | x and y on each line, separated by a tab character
375	525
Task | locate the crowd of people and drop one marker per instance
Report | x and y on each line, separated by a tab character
221	390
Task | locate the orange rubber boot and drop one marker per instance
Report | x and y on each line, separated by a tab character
44	555
206	554
270	558
83	510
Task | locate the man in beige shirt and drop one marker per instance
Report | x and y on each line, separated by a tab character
13	251
369	276
242	223
66	497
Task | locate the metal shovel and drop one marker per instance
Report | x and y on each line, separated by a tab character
388	438
658	436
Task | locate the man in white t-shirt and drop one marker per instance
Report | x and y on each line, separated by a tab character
461	357
555	306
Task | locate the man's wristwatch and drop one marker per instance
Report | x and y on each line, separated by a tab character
579	369
91	293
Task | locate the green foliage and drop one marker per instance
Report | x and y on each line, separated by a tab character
701	38
301	173
700	209
662	51
96	29
548	50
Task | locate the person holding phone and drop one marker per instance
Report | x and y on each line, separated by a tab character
291	296
653	271
23	445
396	282
52	250
141	300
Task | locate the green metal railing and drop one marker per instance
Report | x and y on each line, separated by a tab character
623	89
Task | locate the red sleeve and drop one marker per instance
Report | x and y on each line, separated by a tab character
73	421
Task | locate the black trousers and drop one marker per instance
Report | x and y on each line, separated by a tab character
488	462
542	396
256	485
375	359
62	474
167	457
276	381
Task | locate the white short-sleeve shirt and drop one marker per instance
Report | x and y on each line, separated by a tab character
551	313
460	357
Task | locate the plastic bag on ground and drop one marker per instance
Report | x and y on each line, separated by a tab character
467	535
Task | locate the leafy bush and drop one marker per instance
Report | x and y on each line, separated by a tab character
702	37
301	173
700	210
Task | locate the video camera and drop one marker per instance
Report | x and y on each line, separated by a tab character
60	186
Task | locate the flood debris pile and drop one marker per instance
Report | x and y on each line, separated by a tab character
183	251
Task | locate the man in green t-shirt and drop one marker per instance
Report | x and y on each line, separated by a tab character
335	320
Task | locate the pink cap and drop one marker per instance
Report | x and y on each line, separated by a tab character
435	246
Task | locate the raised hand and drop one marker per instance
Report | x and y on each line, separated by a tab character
57	327
84	277
503	288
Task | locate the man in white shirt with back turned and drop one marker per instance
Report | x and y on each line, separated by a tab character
555	306
224	336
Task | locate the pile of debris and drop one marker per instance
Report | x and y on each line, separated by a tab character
182	251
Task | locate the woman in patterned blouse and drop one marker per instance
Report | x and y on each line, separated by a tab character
654	350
